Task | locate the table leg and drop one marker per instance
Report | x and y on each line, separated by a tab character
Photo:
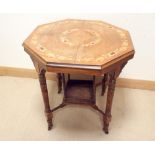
104	83
59	82
110	94
43	85
111	88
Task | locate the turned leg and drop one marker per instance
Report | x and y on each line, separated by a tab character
59	82
104	83
43	85
110	94
111	88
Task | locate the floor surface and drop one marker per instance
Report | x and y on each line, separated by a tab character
22	114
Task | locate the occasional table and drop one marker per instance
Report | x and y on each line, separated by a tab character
87	47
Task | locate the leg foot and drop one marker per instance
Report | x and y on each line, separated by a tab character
59	91
50	127
49	120
106	121
105	128
105	131
59	82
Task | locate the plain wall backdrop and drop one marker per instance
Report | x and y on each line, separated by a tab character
15	28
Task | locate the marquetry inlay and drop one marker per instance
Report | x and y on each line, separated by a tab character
79	42
80	37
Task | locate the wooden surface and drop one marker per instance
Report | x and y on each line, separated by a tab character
79	42
79	91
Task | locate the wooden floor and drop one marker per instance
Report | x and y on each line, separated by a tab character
22	116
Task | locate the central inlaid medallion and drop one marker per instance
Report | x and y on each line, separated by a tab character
80	37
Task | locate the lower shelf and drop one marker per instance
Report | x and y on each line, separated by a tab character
79	92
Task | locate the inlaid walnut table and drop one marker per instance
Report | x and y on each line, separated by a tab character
87	47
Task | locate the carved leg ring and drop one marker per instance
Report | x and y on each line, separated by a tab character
43	85
110	94
59	82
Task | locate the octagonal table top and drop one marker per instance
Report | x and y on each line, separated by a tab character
79	42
